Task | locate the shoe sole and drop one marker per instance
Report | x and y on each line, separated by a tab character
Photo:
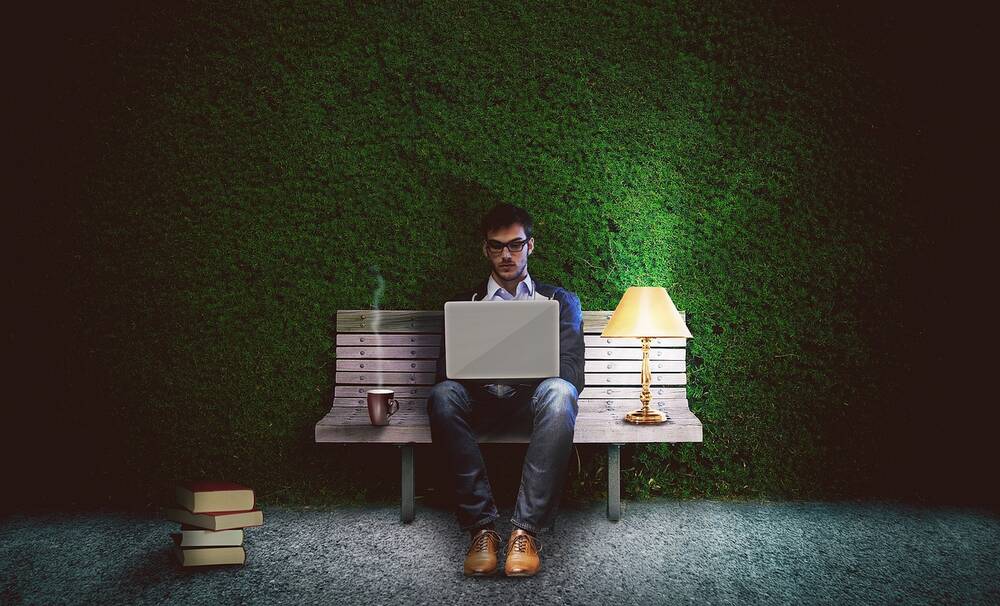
520	574
481	574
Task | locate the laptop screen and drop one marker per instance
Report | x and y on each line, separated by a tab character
501	340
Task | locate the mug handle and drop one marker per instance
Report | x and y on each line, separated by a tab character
391	409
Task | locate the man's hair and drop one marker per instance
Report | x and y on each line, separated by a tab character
503	215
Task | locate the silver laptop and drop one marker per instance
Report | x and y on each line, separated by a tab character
501	339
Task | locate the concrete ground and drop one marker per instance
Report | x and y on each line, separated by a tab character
661	552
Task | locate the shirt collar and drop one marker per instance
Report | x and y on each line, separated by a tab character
526	284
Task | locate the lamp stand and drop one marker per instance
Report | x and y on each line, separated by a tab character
644	415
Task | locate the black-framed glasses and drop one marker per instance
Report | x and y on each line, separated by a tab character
496	247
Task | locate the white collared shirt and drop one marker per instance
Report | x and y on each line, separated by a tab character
525	290
494	292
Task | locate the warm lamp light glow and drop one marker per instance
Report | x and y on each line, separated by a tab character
646	312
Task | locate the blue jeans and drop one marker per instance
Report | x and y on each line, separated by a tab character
458	414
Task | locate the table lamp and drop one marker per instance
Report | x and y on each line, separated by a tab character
646	313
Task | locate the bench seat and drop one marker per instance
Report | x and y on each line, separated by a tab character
398	350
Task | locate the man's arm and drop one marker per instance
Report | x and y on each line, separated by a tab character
571	363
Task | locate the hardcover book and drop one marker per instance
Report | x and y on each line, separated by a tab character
217	520
209	556
198	537
200	497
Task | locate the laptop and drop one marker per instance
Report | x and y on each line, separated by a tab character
501	339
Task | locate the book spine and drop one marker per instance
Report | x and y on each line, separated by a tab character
209	538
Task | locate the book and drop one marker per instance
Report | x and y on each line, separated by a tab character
209	556
189	536
200	497
217	520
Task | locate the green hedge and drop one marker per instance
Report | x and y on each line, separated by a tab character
260	166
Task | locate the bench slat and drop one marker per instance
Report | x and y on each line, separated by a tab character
618	434
664	342
434	340
387	320
630	379
374	379
401	391
632	353
591	391
368	339
595	392
388	352
415	365
633	365
370	365
351	424
589	421
414	411
599	341
589	353
407	321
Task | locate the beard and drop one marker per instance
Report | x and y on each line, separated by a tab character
511	272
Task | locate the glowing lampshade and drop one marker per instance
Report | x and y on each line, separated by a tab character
646	312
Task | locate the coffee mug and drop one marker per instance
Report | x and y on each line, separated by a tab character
381	405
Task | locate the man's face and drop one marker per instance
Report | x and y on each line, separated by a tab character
506	264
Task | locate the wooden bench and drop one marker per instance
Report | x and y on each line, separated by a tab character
401	348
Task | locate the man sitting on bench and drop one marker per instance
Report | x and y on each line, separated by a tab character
549	408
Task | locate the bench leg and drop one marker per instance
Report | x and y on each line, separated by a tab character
406	504
614	482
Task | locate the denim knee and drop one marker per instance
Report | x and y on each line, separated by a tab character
556	396
447	398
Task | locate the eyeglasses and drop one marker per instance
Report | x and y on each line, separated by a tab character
514	246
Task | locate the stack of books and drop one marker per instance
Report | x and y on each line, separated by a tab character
212	517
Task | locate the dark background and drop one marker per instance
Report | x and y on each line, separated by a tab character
175	263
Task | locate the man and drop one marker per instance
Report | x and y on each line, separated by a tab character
458	411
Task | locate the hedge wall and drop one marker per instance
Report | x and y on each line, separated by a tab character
251	168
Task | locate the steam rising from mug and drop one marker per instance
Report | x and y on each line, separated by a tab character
379	289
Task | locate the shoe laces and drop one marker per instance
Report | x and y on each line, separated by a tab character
520	543
481	541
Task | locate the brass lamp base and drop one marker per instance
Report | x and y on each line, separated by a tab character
646	416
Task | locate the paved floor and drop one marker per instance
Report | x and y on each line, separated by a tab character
661	552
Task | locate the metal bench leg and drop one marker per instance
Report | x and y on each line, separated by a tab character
614	482
406	505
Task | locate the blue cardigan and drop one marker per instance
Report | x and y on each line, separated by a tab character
570	330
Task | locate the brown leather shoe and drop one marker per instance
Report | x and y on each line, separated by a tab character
522	554
481	559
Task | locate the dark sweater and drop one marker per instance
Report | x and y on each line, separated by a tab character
570	330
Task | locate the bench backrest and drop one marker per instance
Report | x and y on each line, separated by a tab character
398	349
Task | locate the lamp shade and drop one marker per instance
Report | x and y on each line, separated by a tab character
646	312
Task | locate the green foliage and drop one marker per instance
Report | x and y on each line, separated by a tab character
261	162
